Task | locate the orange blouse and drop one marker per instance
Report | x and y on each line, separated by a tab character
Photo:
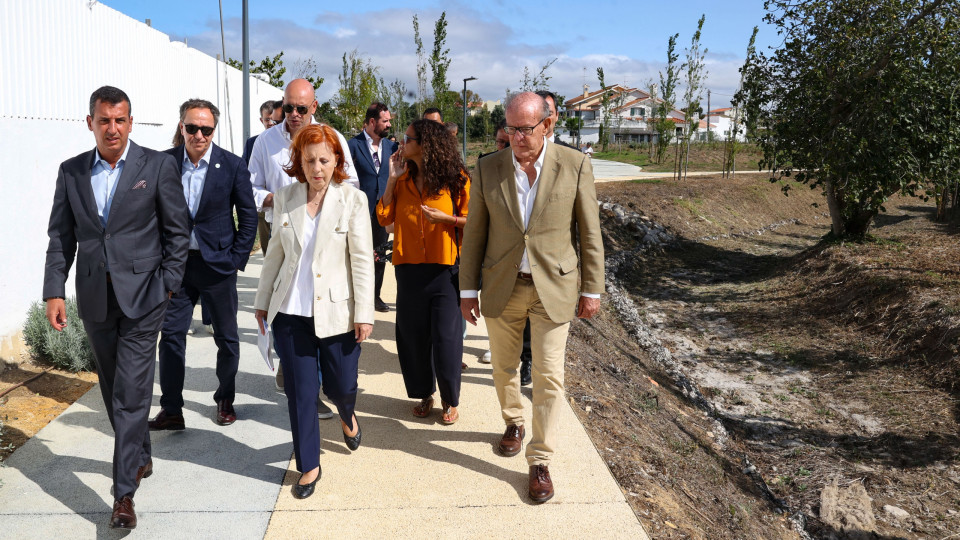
416	240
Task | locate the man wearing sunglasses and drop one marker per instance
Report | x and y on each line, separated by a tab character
215	183
271	114
536	273
271	152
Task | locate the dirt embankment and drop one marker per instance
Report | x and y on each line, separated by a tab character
753	382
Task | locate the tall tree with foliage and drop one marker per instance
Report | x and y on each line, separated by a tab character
665	127
439	63
693	94
849	102
359	86
421	68
271	67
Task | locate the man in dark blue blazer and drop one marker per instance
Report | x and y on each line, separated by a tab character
371	151
214	183
119	211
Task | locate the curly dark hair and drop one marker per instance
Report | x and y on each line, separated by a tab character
441	159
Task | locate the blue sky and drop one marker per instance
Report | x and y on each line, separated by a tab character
492	40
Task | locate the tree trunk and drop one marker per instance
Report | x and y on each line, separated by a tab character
836	214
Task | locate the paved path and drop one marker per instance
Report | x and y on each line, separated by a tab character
615	171
411	478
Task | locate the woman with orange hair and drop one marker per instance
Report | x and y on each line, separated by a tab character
426	199
316	291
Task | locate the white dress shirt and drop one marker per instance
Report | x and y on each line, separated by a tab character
526	196
271	153
193	179
299	298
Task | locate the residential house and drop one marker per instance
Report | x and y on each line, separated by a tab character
632	112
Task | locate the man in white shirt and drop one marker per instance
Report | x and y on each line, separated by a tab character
532	270
271	152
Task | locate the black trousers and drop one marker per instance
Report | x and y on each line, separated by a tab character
302	354
429	335
219	294
379	237
124	350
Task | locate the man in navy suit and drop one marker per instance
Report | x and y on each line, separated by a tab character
371	151
118	212
215	183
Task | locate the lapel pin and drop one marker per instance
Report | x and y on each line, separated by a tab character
217	165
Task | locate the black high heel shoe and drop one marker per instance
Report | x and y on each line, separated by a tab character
302	491
353	442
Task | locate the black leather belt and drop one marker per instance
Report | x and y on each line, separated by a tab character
193	253
524	275
109	279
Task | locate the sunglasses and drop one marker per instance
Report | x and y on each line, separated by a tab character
301	109
407	138
193	128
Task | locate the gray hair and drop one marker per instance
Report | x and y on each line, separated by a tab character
200	104
517	99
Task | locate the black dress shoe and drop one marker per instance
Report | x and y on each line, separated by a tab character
526	377
353	442
381	306
302	491
164	421
123	515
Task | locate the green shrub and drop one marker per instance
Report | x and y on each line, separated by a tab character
68	349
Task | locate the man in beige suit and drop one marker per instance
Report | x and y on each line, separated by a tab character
530	208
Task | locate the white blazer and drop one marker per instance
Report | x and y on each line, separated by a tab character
342	261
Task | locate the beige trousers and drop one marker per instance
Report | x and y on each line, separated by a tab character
548	343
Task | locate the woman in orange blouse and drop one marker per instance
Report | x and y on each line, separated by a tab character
426	199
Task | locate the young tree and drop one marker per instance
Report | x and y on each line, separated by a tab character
696	73
439	63
309	70
396	94
271	67
731	143
665	127
540	81
421	68
605	98
359	86
498	115
850	101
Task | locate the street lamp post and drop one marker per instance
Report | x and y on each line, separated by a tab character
465	118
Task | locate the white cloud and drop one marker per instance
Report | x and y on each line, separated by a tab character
480	46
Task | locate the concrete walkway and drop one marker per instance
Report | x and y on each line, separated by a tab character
411	478
615	171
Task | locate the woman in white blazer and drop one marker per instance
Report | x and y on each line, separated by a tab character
316	292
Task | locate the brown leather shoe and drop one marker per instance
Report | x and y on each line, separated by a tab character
541	487
512	440
164	421
144	471
225	413
123	515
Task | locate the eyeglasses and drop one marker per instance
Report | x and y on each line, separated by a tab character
269	122
193	128
524	130
503	144
407	138
301	109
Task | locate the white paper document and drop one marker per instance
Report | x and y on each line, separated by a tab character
265	342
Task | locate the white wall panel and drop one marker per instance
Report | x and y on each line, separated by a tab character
53	55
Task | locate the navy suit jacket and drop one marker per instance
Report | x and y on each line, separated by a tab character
224	246
372	183
248	149
145	240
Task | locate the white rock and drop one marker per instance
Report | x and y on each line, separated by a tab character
896	512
